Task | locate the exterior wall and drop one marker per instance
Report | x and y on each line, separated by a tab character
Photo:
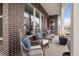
13	15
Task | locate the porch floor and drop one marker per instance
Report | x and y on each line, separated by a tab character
55	49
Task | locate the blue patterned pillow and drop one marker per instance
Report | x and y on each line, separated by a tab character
26	42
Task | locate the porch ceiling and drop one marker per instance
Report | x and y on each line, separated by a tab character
52	8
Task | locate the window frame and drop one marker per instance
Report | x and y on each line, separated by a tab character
1	16
40	20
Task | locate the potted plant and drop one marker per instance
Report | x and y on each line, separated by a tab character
62	39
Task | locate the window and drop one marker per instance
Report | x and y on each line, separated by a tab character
28	19
33	20
52	26
42	22
1	9
37	21
1	22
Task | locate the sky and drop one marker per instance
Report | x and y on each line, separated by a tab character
67	14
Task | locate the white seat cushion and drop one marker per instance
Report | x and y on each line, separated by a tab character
45	42
35	47
52	34
48	36
37	52
30	35
1	38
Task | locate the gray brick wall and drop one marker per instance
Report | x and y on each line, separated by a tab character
12	22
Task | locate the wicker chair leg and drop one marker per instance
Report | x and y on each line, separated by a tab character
43	51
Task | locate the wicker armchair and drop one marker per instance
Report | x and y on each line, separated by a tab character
27	51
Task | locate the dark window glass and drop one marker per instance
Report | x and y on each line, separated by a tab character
1	21
1	8
37	14
28	19
42	26
37	21
29	9
1	27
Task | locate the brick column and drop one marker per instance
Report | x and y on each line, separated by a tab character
12	22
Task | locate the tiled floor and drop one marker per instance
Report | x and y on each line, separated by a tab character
55	48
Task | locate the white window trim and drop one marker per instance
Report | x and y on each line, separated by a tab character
1	16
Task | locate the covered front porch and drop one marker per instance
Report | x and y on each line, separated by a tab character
33	18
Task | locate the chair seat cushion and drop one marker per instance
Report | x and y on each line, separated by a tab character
35	47
52	35
48	36
45	41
